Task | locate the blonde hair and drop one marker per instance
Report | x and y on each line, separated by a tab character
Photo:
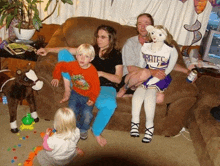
86	49
65	122
169	37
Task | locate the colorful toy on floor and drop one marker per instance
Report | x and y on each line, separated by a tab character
42	134
29	161
4	100
27	122
27	127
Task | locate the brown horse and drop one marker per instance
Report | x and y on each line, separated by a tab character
16	89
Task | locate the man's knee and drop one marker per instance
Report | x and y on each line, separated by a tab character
160	98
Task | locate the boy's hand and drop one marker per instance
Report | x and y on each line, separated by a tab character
55	82
89	102
42	51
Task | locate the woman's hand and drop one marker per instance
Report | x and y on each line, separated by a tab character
116	77
89	102
100	73
42	52
55	82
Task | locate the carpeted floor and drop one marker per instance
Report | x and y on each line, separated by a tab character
120	150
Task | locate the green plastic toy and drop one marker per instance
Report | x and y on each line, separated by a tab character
27	120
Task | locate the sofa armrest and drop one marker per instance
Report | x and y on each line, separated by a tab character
208	84
179	88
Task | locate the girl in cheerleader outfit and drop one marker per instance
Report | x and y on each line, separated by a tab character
158	54
61	147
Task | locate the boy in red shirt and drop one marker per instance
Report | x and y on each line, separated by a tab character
85	85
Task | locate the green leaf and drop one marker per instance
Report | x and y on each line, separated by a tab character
37	23
67	1
8	20
48	4
2	19
19	26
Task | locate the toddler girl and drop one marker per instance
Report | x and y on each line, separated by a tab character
60	148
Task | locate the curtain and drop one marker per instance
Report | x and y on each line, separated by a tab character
173	14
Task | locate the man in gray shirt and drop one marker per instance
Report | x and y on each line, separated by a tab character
131	57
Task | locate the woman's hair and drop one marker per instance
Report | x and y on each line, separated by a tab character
65	123
112	39
169	37
86	49
147	15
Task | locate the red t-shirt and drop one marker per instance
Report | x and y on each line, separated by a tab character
85	81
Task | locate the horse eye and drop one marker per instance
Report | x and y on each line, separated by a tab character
26	79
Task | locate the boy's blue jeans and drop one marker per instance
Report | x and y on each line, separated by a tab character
82	111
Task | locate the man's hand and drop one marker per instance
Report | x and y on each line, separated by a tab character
55	82
89	102
160	74
42	51
137	77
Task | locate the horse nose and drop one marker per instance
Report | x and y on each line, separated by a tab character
37	85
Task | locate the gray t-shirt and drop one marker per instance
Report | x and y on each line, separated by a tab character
131	53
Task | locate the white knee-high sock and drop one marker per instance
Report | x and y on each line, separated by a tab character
149	106
137	101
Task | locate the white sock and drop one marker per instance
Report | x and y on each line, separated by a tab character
34	115
13	125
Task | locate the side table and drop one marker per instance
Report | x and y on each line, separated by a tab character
14	62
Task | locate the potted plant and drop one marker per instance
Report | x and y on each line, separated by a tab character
25	13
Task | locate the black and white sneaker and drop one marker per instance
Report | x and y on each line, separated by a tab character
84	135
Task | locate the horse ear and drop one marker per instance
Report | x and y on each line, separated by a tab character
18	72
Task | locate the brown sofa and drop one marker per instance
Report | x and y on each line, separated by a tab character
170	116
203	127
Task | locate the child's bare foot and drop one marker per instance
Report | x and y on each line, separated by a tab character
66	97
80	152
101	140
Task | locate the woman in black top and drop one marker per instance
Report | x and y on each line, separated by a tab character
108	62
